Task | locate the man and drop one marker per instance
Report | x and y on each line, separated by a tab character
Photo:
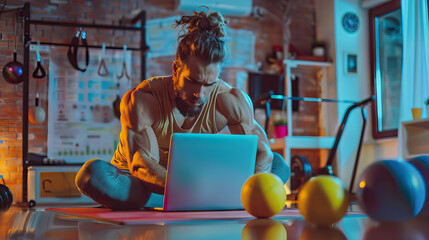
192	100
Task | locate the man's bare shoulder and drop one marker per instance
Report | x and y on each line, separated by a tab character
232	95
139	107
234	104
139	96
144	91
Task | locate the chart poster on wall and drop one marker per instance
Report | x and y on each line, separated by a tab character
82	124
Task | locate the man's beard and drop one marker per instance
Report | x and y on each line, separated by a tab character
186	110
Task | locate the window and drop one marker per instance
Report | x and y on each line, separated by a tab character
386	67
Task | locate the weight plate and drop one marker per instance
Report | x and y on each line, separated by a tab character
4	202
301	172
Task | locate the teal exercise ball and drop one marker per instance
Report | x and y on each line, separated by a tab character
422	165
391	191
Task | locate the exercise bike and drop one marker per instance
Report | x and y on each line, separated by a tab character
301	170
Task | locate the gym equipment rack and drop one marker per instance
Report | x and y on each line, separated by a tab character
25	14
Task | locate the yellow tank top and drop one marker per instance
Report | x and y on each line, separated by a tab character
205	122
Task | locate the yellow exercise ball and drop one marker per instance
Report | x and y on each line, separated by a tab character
263	229
263	195
323	200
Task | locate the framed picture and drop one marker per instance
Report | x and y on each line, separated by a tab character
350	64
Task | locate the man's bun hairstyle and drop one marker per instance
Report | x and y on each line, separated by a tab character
202	37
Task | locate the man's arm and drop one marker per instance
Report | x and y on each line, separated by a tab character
237	108
138	114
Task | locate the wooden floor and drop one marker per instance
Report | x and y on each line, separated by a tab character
39	223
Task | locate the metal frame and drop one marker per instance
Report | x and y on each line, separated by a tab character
27	42
327	170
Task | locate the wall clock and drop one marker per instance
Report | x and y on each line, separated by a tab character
350	22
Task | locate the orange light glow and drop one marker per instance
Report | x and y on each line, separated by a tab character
362	184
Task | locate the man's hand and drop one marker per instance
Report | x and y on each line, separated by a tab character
237	109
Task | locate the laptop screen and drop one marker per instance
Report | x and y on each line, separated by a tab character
207	171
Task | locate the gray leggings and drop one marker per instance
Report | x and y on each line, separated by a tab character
117	189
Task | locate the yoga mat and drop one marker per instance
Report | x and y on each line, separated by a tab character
153	217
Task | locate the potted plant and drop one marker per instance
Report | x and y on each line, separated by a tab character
280	127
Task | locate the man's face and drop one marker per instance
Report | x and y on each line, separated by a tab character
193	82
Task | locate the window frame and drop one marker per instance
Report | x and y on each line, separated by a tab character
373	13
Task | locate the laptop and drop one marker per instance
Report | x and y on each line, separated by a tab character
207	171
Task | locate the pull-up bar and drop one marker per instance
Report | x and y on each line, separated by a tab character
85	25
310	99
269	95
92	46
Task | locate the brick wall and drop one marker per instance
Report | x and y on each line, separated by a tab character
268	33
10	112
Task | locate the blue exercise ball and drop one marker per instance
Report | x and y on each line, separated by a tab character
390	190
422	165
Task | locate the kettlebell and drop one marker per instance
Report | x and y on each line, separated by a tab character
13	71
36	114
6	197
